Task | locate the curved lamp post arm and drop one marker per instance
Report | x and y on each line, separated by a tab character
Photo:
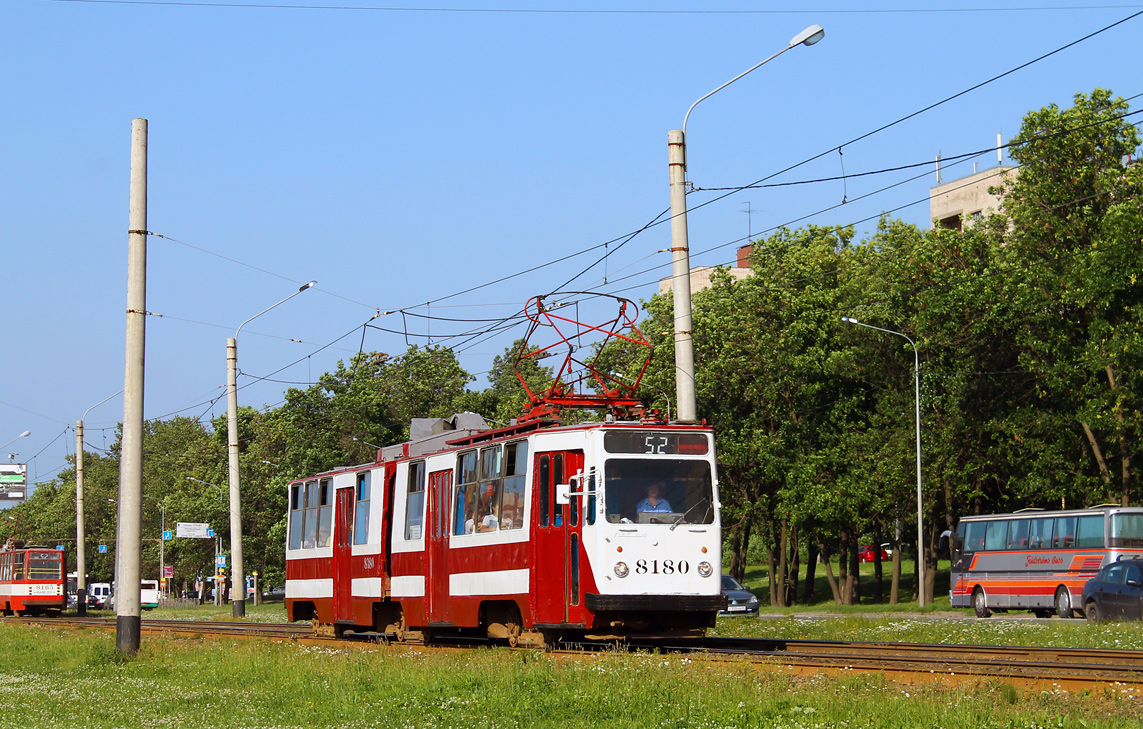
809	36
300	290
917	416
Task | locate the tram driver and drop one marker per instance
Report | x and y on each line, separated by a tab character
654	503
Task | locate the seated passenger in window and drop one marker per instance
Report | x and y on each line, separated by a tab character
489	522
654	503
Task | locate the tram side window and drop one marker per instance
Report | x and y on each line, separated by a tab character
6	568
1040	533
318	514
415	505
465	493
18	567
1064	536
512	498
486	518
996	538
1018	534
325	513
297	516
1090	531
543	488
557	478
361	516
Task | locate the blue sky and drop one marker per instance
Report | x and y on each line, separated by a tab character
399	156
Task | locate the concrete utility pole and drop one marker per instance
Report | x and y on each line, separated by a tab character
80	534
129	549
680	251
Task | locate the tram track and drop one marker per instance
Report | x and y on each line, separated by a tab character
1029	667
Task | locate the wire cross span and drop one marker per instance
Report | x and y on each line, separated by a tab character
580	383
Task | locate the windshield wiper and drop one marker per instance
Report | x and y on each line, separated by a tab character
686	514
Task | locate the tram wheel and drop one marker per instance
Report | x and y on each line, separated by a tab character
1063	603
980	603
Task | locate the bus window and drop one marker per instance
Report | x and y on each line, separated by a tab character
1065	534
1127	530
1090	531
974	536
996	538
1040	533
1018	534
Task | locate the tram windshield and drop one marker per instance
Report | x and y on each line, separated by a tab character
44	566
658	491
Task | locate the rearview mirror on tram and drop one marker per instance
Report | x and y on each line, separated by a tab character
563	493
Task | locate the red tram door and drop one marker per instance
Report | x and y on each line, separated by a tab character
342	570
440	497
556	570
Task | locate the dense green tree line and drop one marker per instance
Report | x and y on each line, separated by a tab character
1028	324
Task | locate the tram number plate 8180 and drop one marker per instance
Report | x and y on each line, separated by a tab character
661	567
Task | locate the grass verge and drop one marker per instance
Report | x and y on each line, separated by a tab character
54	677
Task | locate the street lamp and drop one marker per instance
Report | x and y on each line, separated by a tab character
25	434
80	528
680	253
917	407
238	582
365	442
206	483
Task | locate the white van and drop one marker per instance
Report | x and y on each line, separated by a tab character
101	591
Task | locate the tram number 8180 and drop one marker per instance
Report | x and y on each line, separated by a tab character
666	567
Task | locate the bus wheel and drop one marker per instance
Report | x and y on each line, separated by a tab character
1092	611
979	604
1063	603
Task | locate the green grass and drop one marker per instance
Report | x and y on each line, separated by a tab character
52	677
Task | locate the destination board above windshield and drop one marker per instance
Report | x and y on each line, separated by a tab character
656	443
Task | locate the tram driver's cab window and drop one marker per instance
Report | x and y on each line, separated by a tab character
658	491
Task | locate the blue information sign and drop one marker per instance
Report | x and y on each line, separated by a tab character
103	549
167	535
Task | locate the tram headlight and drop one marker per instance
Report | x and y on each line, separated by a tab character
704	569
621	569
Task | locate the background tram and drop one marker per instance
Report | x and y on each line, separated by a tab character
33	580
524	533
1038	560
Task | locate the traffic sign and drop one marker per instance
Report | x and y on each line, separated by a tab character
103	549
167	535
220	560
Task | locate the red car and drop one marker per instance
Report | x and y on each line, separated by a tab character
866	553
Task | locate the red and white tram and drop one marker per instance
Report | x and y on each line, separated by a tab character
527	533
513	534
33	580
